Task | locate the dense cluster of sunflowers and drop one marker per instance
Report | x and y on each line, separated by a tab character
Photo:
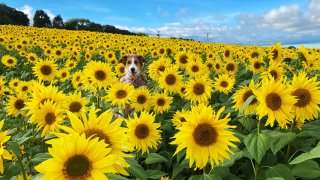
59	91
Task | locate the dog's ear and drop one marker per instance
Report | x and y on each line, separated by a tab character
123	59
142	60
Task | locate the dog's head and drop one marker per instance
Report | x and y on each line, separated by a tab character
133	64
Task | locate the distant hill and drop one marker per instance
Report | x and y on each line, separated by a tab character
10	15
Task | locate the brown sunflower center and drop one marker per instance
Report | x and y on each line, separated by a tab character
141	99
25	88
230	67
256	65
209	65
217	66
121	69
183	90
161	51
161	102
161	68
50	118
274	74
77	167
97	133
303	96
183	59
205	135
15	84
254	55
195	68
170	79
10	61
32	58
227	53
247	95
273	101
141	131
275	54
121	94
64	74
100	75
58	53
19	104
46	70
198	89
75	106
224	84
110	56
182	119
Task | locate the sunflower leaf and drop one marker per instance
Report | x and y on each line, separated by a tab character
257	145
155	174
14	146
247	103
280	170
279	140
314	153
136	170
307	169
155	158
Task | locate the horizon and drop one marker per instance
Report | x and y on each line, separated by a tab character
229	22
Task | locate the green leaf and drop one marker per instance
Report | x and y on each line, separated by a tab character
246	104
279	140
155	158
40	157
314	153
279	170
307	169
179	167
257	145
275	178
155	174
135	169
248	123
205	177
116	177
15	147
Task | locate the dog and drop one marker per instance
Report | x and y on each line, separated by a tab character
134	75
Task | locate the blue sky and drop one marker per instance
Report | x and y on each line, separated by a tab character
226	21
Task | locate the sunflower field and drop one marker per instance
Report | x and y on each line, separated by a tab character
209	111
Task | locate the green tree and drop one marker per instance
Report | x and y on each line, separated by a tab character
57	22
10	15
41	19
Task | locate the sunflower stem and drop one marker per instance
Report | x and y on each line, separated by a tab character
289	145
256	170
258	126
22	169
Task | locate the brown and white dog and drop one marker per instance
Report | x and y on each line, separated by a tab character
134	75
133	64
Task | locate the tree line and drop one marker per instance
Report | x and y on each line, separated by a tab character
10	15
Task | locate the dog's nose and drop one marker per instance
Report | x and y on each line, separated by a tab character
132	70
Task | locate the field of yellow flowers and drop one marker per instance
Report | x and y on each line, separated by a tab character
209	111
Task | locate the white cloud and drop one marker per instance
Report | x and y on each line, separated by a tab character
314	11
28	10
49	13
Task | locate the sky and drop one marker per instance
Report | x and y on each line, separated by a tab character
248	22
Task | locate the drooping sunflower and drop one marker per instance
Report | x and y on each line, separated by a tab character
179	118
16	104
224	83
9	61
276	101
140	99
170	79
275	53
198	89
307	92
100	73
143	131
161	102
77	157
106	131
45	70
77	104
205	132
119	94
241	96
4	154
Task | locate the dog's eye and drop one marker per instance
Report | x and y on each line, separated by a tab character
135	62
128	62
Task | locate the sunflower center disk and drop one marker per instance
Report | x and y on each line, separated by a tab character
100	75
10	61
63	75
256	65
230	67
183	59
122	69
254	54
303	96
224	84
217	66
195	68
161	102
121	94
205	135
141	99
19	104
198	89
227	53
50	118
170	79
247	95
273	101
182	119
97	133
275	54
75	107
161	68
77	167
274	74
142	131
45	70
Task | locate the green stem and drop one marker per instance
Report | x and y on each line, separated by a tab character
258	126
289	145
256	167
22	169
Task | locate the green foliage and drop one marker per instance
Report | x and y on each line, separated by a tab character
41	19
10	15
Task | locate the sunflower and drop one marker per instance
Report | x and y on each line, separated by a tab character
24	87
241	96
181	59
307	92
9	61
14	83
275	53
45	70
158	66
218	66
170	79
205	136
199	89
63	74
106	131
196	68
276	101
143	132
161	102
179	118
256	65
140	99
275	70
32	58
119	94
76	79
77	104
227	53
230	66
4	154
224	83
100	73
16	104
76	157
70	64
49	117
120	70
